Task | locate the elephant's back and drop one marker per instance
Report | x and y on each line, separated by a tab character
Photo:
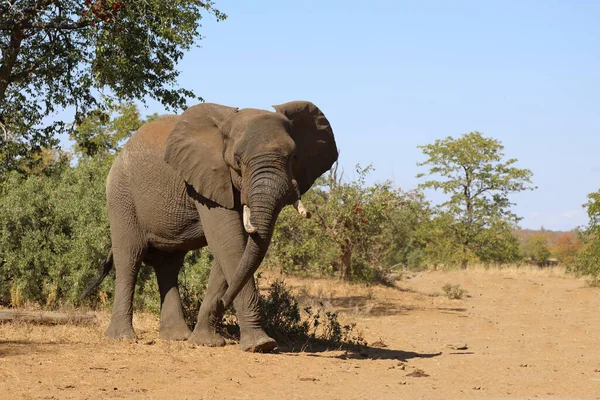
153	135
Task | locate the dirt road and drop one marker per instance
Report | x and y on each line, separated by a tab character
528	335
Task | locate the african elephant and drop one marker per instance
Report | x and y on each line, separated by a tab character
216	176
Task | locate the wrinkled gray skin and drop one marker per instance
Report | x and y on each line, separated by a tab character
181	183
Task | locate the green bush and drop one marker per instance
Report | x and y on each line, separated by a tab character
54	234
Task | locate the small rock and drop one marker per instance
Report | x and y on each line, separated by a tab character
458	346
311	379
477	388
418	373
524	365
149	342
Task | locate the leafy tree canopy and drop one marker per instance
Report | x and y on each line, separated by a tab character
84	55
473	173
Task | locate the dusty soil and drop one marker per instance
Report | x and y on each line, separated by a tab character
528	334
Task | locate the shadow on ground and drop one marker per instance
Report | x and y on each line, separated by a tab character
351	352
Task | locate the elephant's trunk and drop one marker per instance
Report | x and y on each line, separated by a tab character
268	188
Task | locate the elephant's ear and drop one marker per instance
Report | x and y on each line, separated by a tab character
316	150
195	150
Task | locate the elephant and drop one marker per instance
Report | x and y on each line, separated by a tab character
214	176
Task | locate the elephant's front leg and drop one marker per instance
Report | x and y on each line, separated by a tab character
227	240
172	321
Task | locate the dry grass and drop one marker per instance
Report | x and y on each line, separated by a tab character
21	331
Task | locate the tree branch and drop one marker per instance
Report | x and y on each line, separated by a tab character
61	26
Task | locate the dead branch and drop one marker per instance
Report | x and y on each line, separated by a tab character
46	317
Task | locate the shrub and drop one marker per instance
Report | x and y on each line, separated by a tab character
54	234
286	322
454	292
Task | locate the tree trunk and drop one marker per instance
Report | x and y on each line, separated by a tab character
345	262
10	56
465	257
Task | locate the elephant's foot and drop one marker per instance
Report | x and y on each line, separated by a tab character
257	341
206	337
175	332
120	331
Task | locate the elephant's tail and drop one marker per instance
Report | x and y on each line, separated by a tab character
108	264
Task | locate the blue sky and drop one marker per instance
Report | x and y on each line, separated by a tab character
391	75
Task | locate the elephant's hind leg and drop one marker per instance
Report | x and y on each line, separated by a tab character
172	321
127	264
205	332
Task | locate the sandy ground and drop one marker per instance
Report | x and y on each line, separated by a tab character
529	334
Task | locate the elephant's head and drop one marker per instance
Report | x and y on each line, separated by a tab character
254	160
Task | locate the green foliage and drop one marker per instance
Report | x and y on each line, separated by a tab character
536	249
54	233
475	218
454	292
587	261
193	280
99	135
81	55
360	232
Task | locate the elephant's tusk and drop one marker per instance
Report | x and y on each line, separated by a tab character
301	209
247	224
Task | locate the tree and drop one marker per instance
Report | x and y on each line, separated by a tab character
477	181
84	55
99	135
566	247
588	260
357	231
